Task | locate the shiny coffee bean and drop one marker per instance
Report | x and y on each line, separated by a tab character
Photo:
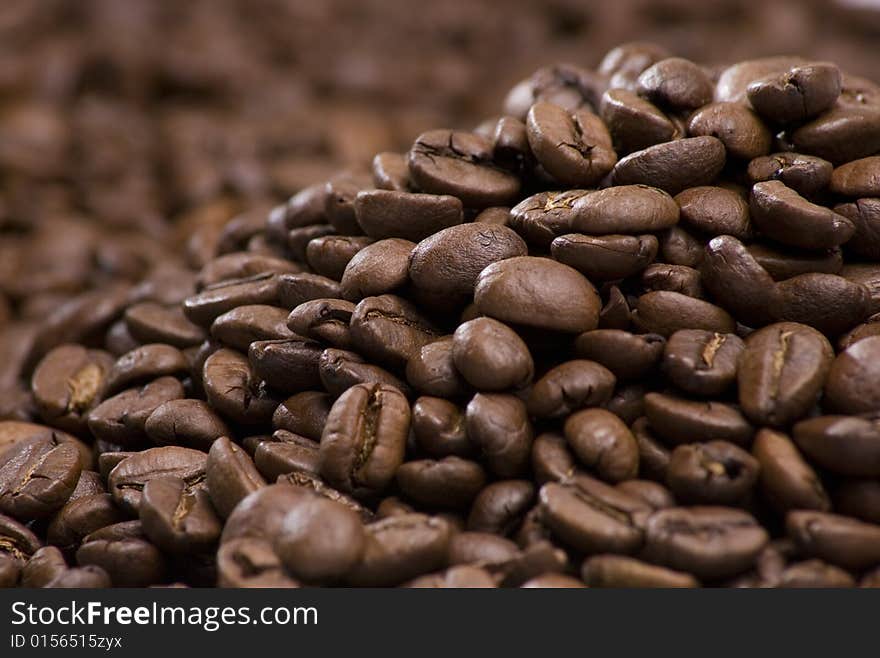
498	424
702	362
178	518
379	268
432	370
787	479
128	479
397	214
491	356
713	473
628	356
673	166
604	443
678	420
569	387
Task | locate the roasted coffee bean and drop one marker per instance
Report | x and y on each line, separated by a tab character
395	214
628	356
329	255
628	402
806	174
715	211
241	265
144	364
500	507
606	257
869	327
673	166
625	63
204	307
865	216
259	515
622	571
449	482
827	302
251	562
787	480
593	517
604	443
737	281
860	178
542	217
710	542
653	493
339	370
287	365
364	439
320	540
298	239
510	144
845	445
815	573
462	576
150	322
784	215
573	147
286	452
340	193
295	289
491	356
324	320
784	263
615	314
796	95
713	473
188	423
664	312
233	389
679	247
127	480
439	428
243	325
129	562
390	171
498	424
42	567
857	498
741	131
733	81
781	373
80	516
851	385
460	164
390	330
17	545
481	548
230	476
539	293
634	123
496	216
446	265
552	460
432	370
68	382
868	275
379	268
399	548
683	421
676	83
566	85
844	133
569	387
178	518
846	542
702	362
304	413
87	577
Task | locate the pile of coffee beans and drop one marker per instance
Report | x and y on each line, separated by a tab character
627	333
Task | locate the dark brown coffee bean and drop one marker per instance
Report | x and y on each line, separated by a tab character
538	292
68	383
295	289
634	123
787	480
390	329
329	255
737	281
241	265
320	540
784	263
673	166
390	214
439	428
682	421
448	482
652	493
781	373
573	147
149	322
121	419
339	198
286	366
542	217
865	216
844	133
307	482
204	307
566	85
178	518
401	547
462	576
243	325
827	302
379	268
249	562
498	424
500	507
674	278
663	312
481	548
845	445
569	387
446	265
324	320
260	514
624	209
340	370
304	413
604	443
858	498
679	247
495	216
80	516
713	473
625	63
851	386
187	423
615	314
870	327
621	571
606	257
733	81
230	476
800	93
676	83
628	356
510	144
364	439
286	452
432	370
491	356
653	455
144	364
715	211
233	390
702	362
298	239
840	540
710	542
390	171
460	164
593	517
741	131
127	480
552	460
42	567
128	562
860	178
806	174
784	215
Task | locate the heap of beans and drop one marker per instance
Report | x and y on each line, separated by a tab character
622	335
